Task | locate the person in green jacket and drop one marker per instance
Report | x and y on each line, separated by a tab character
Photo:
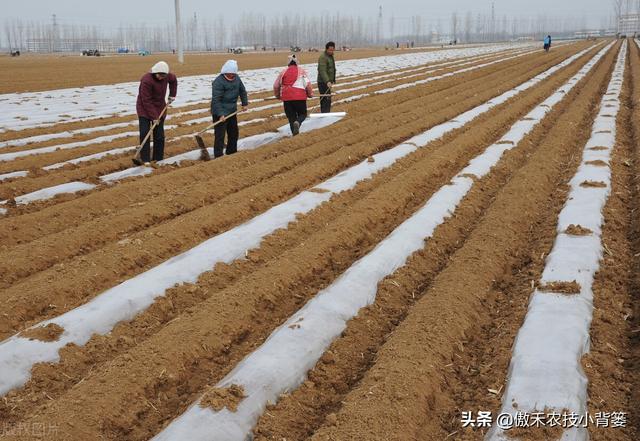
326	76
226	89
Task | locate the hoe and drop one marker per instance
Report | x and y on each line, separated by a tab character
137	160
204	153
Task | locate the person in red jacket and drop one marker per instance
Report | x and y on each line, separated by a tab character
150	104
293	87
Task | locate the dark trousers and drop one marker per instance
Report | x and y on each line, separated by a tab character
230	128
295	111
158	140
325	102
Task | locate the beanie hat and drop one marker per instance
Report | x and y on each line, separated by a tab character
160	67
230	67
293	58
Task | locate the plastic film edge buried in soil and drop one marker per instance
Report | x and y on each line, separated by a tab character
281	363
124	301
545	373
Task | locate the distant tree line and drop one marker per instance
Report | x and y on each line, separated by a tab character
260	31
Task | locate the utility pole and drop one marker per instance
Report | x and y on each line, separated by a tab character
379	27
179	34
54	33
392	26
493	21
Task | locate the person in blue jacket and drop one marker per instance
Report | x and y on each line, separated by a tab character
226	89
547	43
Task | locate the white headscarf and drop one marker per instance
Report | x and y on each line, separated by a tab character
160	67
230	67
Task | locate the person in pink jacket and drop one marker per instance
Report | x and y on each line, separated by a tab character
293	87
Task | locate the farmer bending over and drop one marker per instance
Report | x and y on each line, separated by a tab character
150	106
227	88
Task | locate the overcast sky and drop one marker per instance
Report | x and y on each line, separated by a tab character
113	12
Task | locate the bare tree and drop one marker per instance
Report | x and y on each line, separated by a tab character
257	30
468	23
220	33
617	10
392	26
454	26
7	30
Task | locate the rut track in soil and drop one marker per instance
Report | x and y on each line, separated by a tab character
406	391
67	238
413	189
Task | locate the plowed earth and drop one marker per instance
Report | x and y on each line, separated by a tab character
436	341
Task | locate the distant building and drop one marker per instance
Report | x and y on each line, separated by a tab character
629	24
44	45
587	34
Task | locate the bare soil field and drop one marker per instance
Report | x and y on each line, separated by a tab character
30	73
374	278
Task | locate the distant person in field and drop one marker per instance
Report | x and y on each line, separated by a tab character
293	87
326	76
226	89
547	43
149	106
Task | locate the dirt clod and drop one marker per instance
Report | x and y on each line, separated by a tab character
569	288
598	163
578	230
217	399
51	332
593	184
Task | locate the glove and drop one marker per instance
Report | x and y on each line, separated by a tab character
171	99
